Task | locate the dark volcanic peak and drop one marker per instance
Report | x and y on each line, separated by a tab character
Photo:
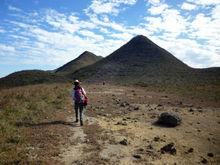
142	50
139	60
87	54
85	59
140	39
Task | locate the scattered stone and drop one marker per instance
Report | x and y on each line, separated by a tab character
141	149
191	110
153	116
124	124
121	123
204	161
200	110
124	142
190	150
169	148
157	138
150	147
169	119
137	156
124	104
106	115
210	154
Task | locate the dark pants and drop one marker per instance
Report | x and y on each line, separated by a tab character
79	110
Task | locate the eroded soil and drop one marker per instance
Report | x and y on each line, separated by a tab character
118	114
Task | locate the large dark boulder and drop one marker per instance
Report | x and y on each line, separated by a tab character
169	119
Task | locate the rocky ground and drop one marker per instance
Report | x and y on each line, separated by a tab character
121	128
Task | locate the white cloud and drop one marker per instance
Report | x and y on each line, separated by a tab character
169	21
6	49
154	2
122	36
116	26
12	8
216	12
107	6
99	7
204	27
61	22
188	6
104	30
155	10
91	35
192	39
2	30
205	2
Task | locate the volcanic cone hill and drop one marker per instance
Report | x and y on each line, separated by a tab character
140	60
85	59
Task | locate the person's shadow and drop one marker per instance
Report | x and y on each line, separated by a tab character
55	122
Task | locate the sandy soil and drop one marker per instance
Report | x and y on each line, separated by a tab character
118	114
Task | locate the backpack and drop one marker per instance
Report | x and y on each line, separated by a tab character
80	97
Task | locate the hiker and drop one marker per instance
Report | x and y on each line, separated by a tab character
80	99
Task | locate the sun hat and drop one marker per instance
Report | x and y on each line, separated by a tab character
76	81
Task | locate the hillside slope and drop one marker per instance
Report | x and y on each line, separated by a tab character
138	60
28	77
85	59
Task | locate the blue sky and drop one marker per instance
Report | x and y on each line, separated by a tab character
45	34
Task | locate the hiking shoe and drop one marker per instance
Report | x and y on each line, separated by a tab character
76	121
81	122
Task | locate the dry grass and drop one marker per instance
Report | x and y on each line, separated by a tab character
23	106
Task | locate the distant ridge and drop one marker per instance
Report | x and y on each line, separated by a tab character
28	77
85	59
139	62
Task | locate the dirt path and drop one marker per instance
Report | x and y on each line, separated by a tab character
74	151
119	130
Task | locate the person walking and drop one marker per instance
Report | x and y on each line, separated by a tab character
80	101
